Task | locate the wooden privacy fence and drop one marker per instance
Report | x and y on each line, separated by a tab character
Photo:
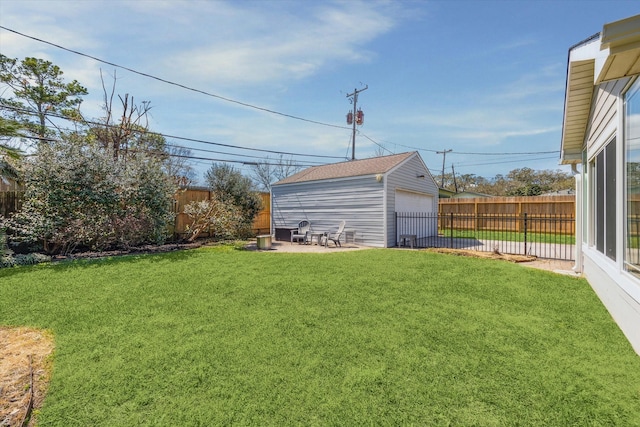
10	201
261	224
11	196
491	213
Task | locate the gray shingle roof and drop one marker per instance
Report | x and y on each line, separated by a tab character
374	165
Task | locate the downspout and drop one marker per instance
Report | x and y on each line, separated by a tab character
579	218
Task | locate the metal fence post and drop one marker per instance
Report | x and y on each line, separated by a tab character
525	233
451	232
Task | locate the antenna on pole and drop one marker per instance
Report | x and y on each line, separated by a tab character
355	118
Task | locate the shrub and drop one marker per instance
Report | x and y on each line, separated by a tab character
81	195
220	219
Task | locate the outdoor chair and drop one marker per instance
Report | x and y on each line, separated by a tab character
335	237
301	233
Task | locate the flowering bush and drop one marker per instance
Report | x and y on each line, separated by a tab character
220	219
80	195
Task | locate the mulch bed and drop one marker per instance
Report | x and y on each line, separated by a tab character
146	249
479	254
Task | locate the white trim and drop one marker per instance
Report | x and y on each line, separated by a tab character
621	175
385	211
625	281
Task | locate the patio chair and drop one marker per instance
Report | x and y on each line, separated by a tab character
335	237
301	233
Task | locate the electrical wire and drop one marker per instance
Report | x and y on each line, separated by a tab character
464	152
223	98
93	123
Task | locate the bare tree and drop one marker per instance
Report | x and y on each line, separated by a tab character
132	127
269	171
177	165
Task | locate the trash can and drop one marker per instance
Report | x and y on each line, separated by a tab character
264	242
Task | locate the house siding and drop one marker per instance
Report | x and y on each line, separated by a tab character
358	201
604	114
617	289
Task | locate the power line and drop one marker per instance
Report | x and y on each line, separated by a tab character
508	154
464	152
90	122
244	104
505	161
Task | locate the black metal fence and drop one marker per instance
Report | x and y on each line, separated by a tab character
544	236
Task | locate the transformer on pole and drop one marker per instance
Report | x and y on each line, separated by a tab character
355	117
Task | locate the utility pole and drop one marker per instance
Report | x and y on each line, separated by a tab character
355	101
444	156
455	184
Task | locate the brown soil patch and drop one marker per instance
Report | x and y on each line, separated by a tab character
17	347
479	254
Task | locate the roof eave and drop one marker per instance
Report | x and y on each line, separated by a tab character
621	40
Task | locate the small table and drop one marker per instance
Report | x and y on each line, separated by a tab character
317	235
404	237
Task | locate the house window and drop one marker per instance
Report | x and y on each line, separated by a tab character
632	179
603	171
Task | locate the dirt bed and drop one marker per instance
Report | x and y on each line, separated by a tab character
23	351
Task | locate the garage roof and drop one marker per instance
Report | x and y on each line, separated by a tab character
372	166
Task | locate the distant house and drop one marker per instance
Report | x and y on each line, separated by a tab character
601	140
443	193
365	193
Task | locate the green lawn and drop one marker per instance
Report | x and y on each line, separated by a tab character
377	337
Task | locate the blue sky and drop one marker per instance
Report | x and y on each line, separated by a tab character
478	77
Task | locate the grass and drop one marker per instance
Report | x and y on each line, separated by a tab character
512	236
377	337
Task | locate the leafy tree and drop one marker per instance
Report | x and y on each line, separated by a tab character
38	90
231	187
518	182
78	195
8	154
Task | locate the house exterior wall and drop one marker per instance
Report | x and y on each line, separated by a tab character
357	200
611	285
604	114
618	290
601	131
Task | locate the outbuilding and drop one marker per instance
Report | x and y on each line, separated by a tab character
366	194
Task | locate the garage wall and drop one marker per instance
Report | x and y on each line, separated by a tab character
413	177
358	201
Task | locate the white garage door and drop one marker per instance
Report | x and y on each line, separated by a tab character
420	217
407	201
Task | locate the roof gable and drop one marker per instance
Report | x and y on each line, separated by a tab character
372	166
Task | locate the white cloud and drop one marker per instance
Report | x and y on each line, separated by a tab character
276	47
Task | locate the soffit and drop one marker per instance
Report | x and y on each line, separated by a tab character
577	108
622	39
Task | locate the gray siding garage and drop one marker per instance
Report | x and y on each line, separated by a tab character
364	193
